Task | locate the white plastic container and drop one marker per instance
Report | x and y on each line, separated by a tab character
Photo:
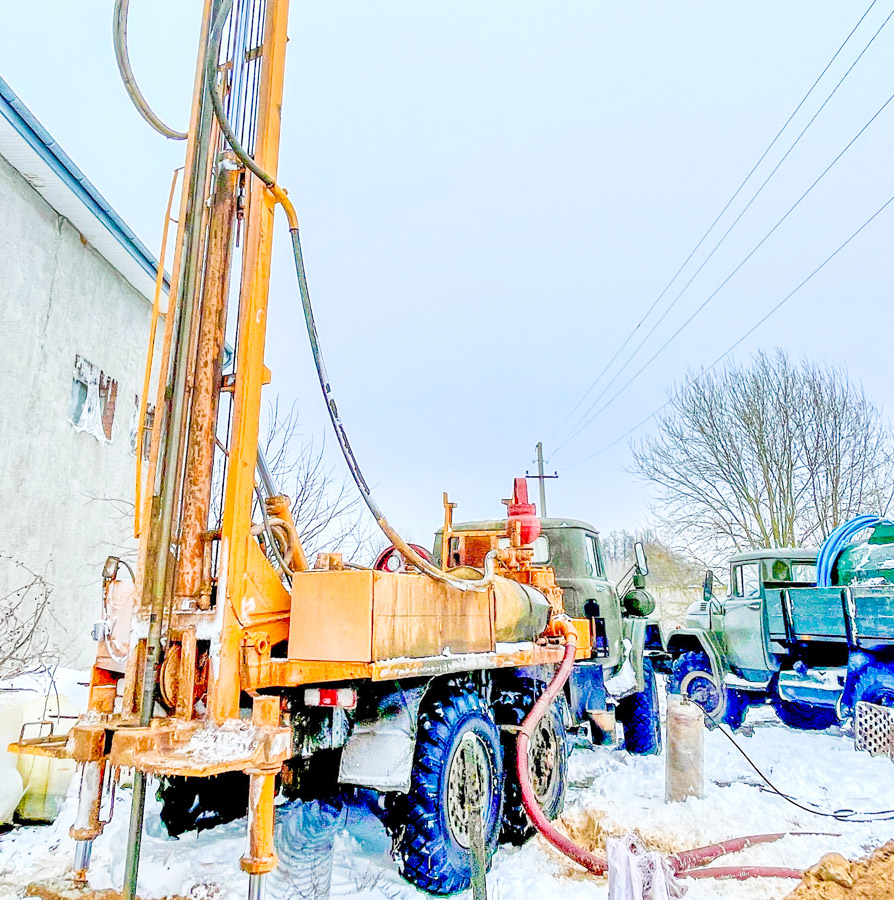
43	781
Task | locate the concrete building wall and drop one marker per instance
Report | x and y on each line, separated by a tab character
66	495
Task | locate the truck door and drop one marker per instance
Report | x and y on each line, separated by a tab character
743	620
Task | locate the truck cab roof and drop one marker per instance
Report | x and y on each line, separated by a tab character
500	524
801	554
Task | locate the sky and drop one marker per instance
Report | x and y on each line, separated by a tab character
492	195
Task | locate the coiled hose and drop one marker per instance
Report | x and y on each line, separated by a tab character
836	542
211	71
685	864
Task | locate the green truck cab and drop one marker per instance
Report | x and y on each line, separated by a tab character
618	678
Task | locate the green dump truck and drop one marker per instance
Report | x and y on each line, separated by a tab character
810	632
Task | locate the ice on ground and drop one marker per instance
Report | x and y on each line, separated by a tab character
611	793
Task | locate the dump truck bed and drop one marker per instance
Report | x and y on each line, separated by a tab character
860	615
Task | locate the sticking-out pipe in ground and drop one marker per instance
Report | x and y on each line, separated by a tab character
684	864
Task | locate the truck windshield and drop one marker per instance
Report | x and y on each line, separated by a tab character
804	572
594	569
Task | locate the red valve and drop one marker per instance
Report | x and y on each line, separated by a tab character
519	510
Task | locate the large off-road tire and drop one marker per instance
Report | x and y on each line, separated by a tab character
804	717
876	685
431	826
639	715
547	757
691	676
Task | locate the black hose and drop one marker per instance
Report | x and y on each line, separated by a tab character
840	815
212	58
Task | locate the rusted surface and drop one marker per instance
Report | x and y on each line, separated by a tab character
262	673
87	740
206	383
69	890
178	747
223	690
186	687
54	746
260	857
527	654
88	825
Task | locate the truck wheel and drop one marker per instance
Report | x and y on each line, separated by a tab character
691	676
876	685
807	718
457	766
639	715
547	758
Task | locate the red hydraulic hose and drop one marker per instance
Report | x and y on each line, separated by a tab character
741	872
598	865
681	863
701	856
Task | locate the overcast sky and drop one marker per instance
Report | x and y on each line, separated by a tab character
492	194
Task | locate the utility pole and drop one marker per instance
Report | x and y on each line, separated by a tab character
541	478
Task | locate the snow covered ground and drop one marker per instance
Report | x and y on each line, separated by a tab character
611	792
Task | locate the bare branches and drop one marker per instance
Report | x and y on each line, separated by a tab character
328	513
767	455
24	642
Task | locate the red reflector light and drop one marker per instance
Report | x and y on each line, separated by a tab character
345	698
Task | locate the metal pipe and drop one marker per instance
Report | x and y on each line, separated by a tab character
196	498
266	475
82	853
257	886
119	37
150	353
157	577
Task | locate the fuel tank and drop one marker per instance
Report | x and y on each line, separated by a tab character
521	612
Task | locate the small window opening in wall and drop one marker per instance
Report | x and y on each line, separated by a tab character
93	397
147	426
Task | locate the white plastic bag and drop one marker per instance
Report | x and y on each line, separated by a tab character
624	682
635	873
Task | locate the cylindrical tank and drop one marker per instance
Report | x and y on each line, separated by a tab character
868	561
685	761
521	613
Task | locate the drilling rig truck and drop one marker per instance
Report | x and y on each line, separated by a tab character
243	668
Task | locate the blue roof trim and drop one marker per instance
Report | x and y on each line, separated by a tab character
39	139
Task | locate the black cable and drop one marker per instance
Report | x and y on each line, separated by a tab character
717	219
723	283
743	337
840	815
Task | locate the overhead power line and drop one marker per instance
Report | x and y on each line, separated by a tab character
732	347
586	422
729	202
735	222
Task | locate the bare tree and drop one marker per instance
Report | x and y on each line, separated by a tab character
771	454
24	641
328	513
